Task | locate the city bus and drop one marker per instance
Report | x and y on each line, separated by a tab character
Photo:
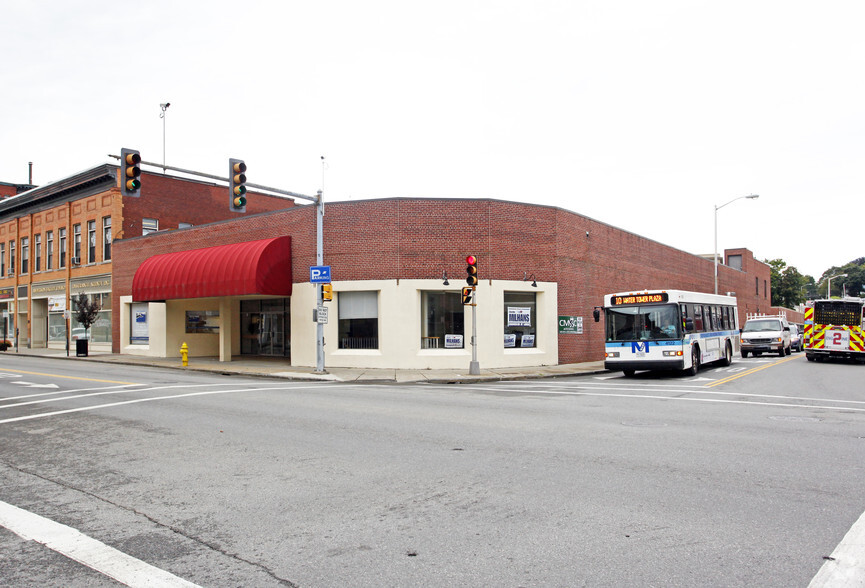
668	330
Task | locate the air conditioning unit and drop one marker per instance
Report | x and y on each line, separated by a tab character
76	261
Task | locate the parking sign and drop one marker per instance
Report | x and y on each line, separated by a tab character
319	274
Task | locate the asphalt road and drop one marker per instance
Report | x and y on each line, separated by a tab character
743	476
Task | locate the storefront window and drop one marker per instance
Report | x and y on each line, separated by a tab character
520	319
100	331
56	327
442	320
358	320
139	331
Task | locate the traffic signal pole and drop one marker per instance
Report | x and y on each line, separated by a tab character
472	281
474	366
319	260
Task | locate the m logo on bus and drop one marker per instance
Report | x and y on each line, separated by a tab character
640	348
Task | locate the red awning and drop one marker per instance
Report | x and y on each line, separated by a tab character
255	267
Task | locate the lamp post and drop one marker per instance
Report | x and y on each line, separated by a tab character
164	106
717	208
829	284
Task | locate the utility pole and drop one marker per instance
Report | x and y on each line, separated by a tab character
319	301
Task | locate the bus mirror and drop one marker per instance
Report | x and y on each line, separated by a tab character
597	314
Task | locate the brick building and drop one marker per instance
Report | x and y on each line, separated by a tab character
397	267
57	243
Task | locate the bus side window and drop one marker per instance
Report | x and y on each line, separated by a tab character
698	318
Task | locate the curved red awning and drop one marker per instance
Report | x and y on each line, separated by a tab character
255	267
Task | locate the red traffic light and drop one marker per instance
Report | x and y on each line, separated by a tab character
472	270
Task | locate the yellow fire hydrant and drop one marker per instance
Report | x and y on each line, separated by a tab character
184	354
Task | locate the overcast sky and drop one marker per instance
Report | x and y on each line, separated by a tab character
642	114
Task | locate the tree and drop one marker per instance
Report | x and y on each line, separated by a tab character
853	283
87	311
788	285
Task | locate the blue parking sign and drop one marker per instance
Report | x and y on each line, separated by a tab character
319	274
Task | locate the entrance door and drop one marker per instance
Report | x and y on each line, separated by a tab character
265	327
271	335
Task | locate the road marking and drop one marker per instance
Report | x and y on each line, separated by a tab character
69	377
685	399
846	566
102	392
65	392
175	396
34	385
701	389
752	370
86	550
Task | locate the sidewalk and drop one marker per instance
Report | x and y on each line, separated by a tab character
278	368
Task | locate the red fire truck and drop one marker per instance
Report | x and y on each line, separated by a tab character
834	328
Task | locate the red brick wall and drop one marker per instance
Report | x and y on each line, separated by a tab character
420	238
173	200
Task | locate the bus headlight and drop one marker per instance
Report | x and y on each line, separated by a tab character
672	354
611	354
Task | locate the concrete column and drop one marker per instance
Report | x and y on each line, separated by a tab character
226	322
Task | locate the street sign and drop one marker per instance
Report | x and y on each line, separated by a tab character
321	314
319	274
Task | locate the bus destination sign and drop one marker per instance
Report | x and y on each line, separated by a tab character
640	298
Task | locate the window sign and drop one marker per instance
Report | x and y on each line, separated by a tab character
453	341
202	321
527	341
510	340
56	303
519	317
570	325
139	333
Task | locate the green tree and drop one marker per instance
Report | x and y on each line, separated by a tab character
853	283
789	287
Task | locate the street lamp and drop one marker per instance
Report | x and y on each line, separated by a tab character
717	208
164	106
829	284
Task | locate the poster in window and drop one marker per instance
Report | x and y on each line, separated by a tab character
510	340
519	316
202	321
453	341
139	332
527	341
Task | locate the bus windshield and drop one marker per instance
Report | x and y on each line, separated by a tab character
645	322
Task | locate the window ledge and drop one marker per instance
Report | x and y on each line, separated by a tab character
442	352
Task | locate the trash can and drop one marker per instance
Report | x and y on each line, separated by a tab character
81	348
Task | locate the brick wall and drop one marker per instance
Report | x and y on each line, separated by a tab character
421	238
172	200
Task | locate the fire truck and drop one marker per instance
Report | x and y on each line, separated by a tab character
835	328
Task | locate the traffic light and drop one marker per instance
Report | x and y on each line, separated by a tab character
130	171
237	184
327	292
467	295
472	270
